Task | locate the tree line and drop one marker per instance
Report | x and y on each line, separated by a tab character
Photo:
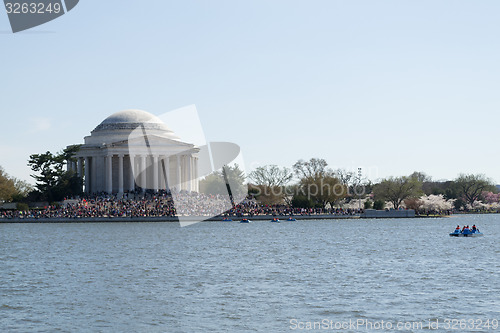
52	182
299	186
306	184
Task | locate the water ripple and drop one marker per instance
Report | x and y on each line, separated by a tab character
214	277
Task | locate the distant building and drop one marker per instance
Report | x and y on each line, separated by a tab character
132	150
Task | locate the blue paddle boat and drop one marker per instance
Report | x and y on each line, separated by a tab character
466	233
226	219
275	220
245	221
291	219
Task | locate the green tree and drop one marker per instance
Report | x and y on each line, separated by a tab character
368	204
7	186
378	204
331	190
52	181
397	189
213	184
470	187
21	206
12	189
230	180
290	191
267	195
235	182
421	177
301	201
48	169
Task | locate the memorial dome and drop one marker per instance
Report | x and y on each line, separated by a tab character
130	120
127	124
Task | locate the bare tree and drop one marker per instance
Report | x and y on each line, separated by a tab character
315	168
318	182
346	177
271	176
471	186
269	183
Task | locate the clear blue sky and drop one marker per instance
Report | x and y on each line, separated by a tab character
391	86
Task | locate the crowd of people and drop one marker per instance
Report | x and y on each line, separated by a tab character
162	204
252	208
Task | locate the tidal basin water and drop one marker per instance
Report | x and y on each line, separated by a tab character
261	277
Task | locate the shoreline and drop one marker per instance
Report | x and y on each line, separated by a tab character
170	219
197	218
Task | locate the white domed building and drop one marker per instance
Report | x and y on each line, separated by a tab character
132	150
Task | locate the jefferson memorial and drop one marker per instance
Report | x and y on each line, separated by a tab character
134	150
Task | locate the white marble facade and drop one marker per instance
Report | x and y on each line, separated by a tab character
134	149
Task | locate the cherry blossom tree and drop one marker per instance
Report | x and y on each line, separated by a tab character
490	197
436	203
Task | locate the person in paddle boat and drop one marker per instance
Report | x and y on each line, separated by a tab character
466	231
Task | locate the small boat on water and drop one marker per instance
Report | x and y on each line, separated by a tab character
291	219
226	219
466	233
275	220
245	221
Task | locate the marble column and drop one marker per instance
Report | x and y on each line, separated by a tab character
155	173
93	175
189	173
131	184
79	167
179	179
196	183
167	172
87	174
142	170
109	174
120	174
